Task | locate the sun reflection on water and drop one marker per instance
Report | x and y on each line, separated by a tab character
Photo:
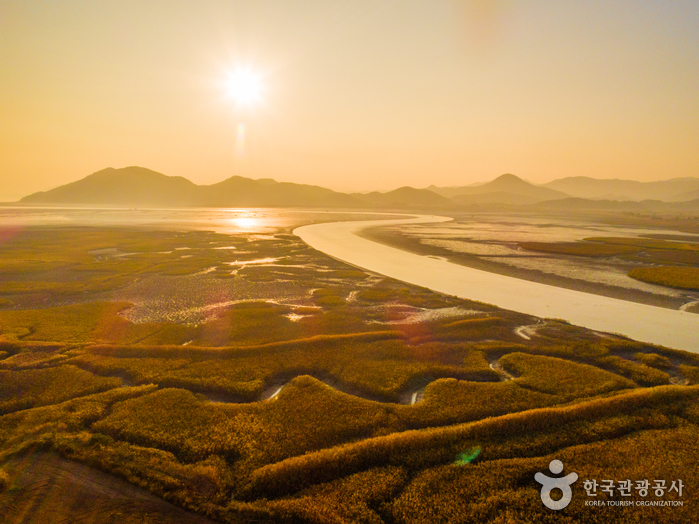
245	222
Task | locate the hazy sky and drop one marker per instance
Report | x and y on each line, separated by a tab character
358	95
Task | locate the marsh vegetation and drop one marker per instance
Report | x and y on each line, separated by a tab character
104	362
656	253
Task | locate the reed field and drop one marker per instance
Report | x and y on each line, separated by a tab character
256	380
665	262
670	276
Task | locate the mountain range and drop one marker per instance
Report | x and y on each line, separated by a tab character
505	189
673	190
140	187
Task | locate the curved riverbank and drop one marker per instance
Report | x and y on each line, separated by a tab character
675	299
671	328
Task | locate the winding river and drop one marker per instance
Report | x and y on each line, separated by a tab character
666	327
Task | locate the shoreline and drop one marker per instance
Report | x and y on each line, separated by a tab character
412	245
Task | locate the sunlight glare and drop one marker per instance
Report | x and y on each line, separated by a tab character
245	87
244	222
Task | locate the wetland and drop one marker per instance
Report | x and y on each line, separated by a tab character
230	370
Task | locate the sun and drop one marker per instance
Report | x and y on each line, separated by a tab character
245	87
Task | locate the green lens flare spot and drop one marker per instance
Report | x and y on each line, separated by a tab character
467	456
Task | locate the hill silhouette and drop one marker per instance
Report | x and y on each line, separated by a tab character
130	186
506	189
138	186
684	197
245	192
404	197
674	189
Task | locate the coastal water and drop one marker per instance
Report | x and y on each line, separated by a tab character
222	220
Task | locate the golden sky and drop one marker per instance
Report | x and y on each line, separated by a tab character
358	95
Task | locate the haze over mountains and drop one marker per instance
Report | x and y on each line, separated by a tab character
404	197
673	190
141	187
506	189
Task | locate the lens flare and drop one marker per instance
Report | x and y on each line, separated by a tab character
468	456
7	233
240	141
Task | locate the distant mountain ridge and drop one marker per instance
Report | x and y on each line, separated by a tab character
127	186
506	188
404	197
140	187
672	190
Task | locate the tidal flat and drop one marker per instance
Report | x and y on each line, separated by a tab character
617	256
244	376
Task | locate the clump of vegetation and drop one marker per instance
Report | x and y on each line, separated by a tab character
26	427
639	373
34	357
691	372
329	298
388	292
173	420
653	360
670	276
250	323
647	243
450	401
564	378
475	329
39	387
646	250
581	249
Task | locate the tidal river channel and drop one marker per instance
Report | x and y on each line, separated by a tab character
656	325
